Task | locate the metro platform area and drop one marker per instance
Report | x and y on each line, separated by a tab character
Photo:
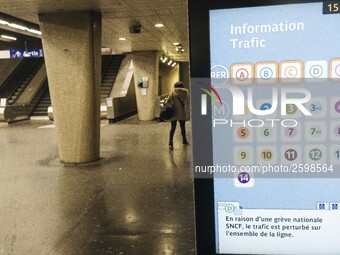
138	199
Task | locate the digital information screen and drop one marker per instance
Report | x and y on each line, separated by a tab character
276	129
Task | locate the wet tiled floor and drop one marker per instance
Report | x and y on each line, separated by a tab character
138	199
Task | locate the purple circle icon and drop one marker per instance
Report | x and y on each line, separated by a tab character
290	132
243	177
337	70
337	107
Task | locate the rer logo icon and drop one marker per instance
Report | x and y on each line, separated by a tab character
242	74
219	75
266	73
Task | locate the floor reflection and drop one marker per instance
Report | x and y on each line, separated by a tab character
138	199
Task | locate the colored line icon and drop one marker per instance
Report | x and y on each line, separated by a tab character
243	177
266	73
266	132
337	154
291	109
266	155
229	208
315	107
316	71
337	107
291	72
265	106
337	130
243	132
291	154
315	154
315	131
242	74
243	155
291	131
335	69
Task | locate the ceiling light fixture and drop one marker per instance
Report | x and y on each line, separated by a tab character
176	43
122	39
2	22
170	62
17	26
8	37
20	27
159	25
164	59
179	49
174	64
34	31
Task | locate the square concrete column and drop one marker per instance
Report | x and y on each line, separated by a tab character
72	49
146	64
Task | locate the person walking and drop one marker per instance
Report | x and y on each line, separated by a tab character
179	98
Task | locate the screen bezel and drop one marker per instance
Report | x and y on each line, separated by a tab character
199	39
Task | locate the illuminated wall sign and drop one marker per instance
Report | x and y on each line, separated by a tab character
35	53
274	122
294	207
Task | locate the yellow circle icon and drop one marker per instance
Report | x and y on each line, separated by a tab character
266	155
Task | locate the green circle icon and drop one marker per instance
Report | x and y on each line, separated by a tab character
291	109
315	154
229	208
316	71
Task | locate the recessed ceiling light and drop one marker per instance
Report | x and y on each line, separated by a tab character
182	50
170	62
173	65
122	39
9	37
159	25
176	43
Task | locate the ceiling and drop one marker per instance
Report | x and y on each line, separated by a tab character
118	16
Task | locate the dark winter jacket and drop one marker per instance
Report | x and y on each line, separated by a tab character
179	98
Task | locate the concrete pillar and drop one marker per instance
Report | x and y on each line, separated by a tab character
72	48
146	64
184	73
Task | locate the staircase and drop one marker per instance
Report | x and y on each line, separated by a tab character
13	97
43	104
110	75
